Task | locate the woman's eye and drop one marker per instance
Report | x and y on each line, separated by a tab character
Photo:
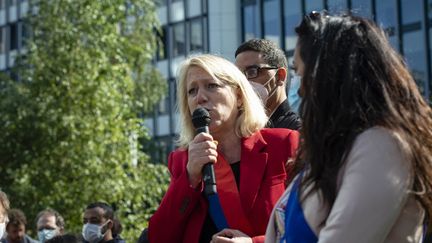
192	91
213	86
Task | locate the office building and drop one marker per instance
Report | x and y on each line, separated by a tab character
219	26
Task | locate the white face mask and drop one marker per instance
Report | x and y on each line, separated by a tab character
261	90
2	230
93	232
46	234
293	97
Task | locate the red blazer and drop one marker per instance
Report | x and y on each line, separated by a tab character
183	209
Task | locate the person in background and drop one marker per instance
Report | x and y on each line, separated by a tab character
265	66
366	154
4	207
249	161
16	228
100	224
49	223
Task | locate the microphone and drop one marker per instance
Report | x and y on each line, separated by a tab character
201	120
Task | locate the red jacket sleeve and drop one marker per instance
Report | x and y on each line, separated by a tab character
169	222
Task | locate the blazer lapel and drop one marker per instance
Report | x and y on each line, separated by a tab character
252	168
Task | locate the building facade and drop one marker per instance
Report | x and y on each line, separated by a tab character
219	26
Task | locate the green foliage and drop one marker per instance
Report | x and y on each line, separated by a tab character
70	126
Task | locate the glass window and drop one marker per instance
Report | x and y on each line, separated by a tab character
196	36
362	8
386	18
337	6
14	36
178	33
194	8
251	21
177	11
414	53
160	3
12	2
161	52
316	5
292	18
25	33
412	11
2	40
272	20
386	13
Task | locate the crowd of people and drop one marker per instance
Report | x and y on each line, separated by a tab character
354	164
100	225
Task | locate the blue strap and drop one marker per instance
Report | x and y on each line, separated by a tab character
216	213
296	227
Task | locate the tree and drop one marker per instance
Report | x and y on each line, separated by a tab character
70	125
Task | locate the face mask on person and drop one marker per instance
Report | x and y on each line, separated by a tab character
293	97
2	229
261	91
93	232
46	234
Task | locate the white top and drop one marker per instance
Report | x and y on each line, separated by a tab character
373	202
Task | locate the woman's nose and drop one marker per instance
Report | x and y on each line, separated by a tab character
201	96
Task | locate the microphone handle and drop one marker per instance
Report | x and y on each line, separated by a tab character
209	179
208	174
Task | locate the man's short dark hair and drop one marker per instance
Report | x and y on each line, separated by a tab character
108	210
108	214
272	54
58	218
16	217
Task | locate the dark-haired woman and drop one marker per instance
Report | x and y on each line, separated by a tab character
366	152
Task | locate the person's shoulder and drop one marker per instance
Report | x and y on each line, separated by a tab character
378	135
278	133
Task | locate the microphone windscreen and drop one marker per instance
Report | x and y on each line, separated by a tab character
200	117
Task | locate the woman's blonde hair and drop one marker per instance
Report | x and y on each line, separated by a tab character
252	115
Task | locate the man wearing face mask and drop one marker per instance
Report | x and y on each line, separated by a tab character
49	223
4	207
100	224
266	68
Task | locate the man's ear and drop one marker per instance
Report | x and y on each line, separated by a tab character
282	74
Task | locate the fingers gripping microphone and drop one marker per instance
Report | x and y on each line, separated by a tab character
201	120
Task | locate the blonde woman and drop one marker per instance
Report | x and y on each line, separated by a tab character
249	160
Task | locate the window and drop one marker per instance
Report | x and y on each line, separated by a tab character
161	49
337	6
2	40
362	8
386	18
194	8
292	18
272	18
251	21
414	53
13	36
316	5
178	33
196	35
411	11
177	11
25	33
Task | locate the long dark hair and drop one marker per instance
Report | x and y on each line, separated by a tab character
354	80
